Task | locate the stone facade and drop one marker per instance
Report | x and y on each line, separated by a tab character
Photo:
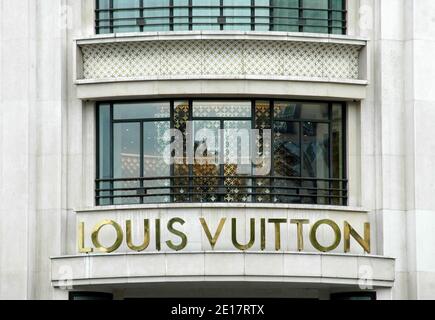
48	88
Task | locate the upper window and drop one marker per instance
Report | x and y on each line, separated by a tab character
267	151
316	16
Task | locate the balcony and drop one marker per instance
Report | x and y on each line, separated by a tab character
252	63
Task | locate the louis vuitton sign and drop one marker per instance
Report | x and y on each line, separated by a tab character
242	234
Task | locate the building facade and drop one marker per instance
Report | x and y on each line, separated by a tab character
217	148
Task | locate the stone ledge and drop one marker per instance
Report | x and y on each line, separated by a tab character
227	35
287	267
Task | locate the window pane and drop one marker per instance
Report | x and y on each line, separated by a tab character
181	15
156	13
126	159
105	164
262	15
205	14
317	111
222	109
121	21
237	162
315	164
285	15
206	165
238	16
337	152
181	166
306	152
286	155
298	110
103	16
265	15
125	111
263	120
315	20
315	146
155	160
286	149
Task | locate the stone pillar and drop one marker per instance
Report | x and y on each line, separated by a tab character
18	147
420	146
32	115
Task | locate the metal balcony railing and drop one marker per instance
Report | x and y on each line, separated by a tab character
110	18
219	188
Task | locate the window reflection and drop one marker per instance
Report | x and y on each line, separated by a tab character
306	152
126	160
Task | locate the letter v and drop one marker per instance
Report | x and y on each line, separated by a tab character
215	238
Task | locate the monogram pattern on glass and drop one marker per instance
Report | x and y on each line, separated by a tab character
263	120
181	168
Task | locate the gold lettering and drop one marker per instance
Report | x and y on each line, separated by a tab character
313	235
81	239
146	242
263	234
234	235
158	242
176	232
349	231
96	231
300	231
277	223
213	239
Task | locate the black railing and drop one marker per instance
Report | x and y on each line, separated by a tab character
193	17
229	189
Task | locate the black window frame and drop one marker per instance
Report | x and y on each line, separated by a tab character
221	20
343	182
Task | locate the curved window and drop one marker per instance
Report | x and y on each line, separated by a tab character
221	151
317	16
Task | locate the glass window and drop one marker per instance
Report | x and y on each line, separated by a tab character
319	16
285	15
218	152
299	110
104	150
237	14
287	160
125	111
126	161
154	164
205	14
124	16
181	15
222	109
315	16
156	15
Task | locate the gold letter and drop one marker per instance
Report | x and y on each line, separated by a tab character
119	236
263	234
234	235
81	239
183	237
277	223
300	231
349	231
146	231
158	243
214	239
313	236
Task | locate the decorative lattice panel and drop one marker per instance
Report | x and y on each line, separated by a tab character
219	58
